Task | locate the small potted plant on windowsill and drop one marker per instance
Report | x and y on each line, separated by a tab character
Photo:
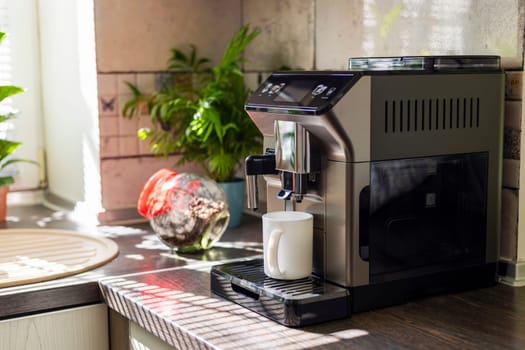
203	116
7	147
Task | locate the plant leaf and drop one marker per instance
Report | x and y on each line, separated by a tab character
6	117
134	89
16	160
6	180
7	147
9	90
203	116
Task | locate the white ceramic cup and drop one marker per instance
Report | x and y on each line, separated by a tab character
288	244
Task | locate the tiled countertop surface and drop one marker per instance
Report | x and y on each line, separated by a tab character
178	307
170	297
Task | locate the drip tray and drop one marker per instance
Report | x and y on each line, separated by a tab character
292	303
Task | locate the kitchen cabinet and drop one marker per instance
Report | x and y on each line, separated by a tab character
80	328
127	335
139	339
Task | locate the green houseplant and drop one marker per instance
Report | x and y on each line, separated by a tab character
7	147
202	116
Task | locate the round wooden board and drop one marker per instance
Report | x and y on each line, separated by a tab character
36	255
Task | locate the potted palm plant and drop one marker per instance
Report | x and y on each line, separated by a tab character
203	116
7	147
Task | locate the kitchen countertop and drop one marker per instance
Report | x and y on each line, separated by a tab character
139	251
169	295
178	307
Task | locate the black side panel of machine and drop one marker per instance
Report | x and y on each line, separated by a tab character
425	215
433	115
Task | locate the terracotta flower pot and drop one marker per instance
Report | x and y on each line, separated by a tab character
3	202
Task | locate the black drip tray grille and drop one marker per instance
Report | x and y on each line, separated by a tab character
292	303
253	273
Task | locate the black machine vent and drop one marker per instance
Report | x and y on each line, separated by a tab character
431	114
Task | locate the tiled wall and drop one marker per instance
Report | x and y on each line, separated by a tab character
134	38
126	162
137	35
511	165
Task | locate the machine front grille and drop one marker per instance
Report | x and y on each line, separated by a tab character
432	114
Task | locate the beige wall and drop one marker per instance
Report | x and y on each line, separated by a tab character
134	38
135	35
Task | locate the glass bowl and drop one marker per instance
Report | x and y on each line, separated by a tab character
188	212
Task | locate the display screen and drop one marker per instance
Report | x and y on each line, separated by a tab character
295	91
301	92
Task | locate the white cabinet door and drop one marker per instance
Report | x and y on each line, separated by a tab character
140	339
83	328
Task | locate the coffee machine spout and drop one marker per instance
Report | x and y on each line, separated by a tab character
257	165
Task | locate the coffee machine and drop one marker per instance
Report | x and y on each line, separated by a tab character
399	160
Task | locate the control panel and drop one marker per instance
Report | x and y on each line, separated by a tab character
311	93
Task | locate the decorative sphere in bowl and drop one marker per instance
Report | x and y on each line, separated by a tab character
187	211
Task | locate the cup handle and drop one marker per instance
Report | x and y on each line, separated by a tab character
271	253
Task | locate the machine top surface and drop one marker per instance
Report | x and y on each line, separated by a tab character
316	92
425	63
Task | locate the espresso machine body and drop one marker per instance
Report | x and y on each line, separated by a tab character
401	169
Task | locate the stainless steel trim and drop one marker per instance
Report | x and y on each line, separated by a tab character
252	195
292	147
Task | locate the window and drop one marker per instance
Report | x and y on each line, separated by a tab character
19	65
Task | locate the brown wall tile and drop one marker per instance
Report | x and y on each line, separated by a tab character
144	148
107	84
137	35
146	82
109	126
128	146
509	224
338	33
287	34
253	80
128	126
109	147
123	179
513	114
122	80
511	173
514	85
